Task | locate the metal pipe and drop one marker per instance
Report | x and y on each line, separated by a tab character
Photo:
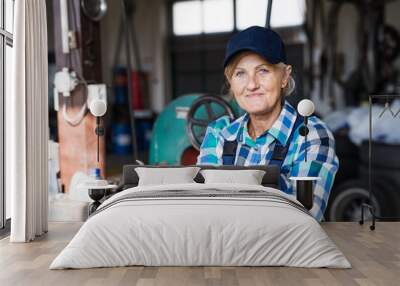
269	9
370	151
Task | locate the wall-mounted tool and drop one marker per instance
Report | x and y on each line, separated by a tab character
65	82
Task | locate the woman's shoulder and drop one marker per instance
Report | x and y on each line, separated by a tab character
318	127
317	122
220	123
225	127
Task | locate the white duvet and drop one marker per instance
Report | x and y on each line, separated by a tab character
200	231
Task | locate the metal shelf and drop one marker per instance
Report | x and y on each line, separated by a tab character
370	207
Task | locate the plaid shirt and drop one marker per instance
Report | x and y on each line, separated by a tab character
321	158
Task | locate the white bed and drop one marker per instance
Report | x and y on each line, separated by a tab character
245	225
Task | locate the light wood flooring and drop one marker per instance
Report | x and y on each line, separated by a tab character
374	255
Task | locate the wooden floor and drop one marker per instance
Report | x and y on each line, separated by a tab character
375	257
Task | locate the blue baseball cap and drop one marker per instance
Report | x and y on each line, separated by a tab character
260	40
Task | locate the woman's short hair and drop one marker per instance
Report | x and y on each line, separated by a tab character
230	68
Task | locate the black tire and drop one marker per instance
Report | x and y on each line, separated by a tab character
346	200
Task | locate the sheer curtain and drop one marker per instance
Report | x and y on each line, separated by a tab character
27	123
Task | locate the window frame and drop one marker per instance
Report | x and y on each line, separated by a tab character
6	39
170	19
176	43
288	30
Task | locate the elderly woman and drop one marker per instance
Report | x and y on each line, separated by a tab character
259	79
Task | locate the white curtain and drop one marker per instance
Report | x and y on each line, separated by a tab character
27	123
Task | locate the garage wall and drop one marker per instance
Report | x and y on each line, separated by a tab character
348	23
151	23
392	16
346	44
150	20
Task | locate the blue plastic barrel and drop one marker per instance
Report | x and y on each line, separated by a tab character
121	138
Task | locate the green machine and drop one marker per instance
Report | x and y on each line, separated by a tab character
180	128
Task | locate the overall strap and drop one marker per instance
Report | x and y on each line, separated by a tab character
280	151
229	152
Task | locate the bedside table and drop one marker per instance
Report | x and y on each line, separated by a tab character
96	193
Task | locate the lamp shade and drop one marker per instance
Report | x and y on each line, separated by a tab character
305	107
97	107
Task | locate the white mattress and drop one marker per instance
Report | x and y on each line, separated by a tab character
183	231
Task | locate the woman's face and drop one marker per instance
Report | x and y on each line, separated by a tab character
257	84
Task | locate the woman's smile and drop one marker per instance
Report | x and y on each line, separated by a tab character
254	94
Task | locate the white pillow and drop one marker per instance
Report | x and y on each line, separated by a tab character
248	177
163	176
